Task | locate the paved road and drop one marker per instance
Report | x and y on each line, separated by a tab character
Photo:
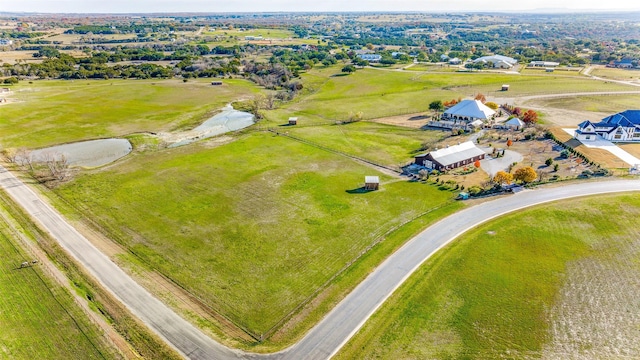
187	339
326	339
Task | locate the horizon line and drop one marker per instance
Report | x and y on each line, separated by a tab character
509	11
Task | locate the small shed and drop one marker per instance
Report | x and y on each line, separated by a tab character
293	121
371	182
505	87
216	83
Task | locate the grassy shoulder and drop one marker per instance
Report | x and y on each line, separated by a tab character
494	292
38	318
254	227
139	341
54	112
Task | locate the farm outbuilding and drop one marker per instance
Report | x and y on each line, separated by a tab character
371	182
505	87
293	121
451	157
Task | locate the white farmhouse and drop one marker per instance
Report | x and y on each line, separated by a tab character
620	127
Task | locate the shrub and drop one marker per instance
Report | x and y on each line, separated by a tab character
548	162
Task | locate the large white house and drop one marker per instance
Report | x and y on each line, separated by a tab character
497	61
620	127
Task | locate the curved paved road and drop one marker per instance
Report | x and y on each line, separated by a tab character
326	338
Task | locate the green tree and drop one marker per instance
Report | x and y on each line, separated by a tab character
348	69
436	106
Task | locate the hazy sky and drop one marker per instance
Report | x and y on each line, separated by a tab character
141	6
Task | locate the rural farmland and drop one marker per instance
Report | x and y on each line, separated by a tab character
293	185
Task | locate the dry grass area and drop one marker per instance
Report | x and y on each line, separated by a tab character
414	121
10	57
633	149
596	313
599	156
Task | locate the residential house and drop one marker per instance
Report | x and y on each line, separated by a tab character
370	57
623	64
451	157
465	115
545	64
620	127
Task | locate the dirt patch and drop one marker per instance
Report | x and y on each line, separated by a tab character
415	121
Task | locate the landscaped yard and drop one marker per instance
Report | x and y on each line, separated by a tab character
38	318
556	281
254	227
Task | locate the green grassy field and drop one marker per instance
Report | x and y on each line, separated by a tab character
596	103
54	112
525	285
253	227
38	318
383	144
380	93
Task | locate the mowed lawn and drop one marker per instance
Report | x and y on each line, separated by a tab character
38	318
55	112
504	290
253	227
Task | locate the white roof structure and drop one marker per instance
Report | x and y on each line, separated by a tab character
496	59
515	122
470	108
456	153
372	179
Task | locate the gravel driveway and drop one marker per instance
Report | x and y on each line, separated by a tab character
492	165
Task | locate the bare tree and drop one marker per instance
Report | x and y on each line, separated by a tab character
24	157
57	164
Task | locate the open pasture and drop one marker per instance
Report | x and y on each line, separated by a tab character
56	112
556	281
380	93
609	104
616	74
383	144
255	227
38	318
